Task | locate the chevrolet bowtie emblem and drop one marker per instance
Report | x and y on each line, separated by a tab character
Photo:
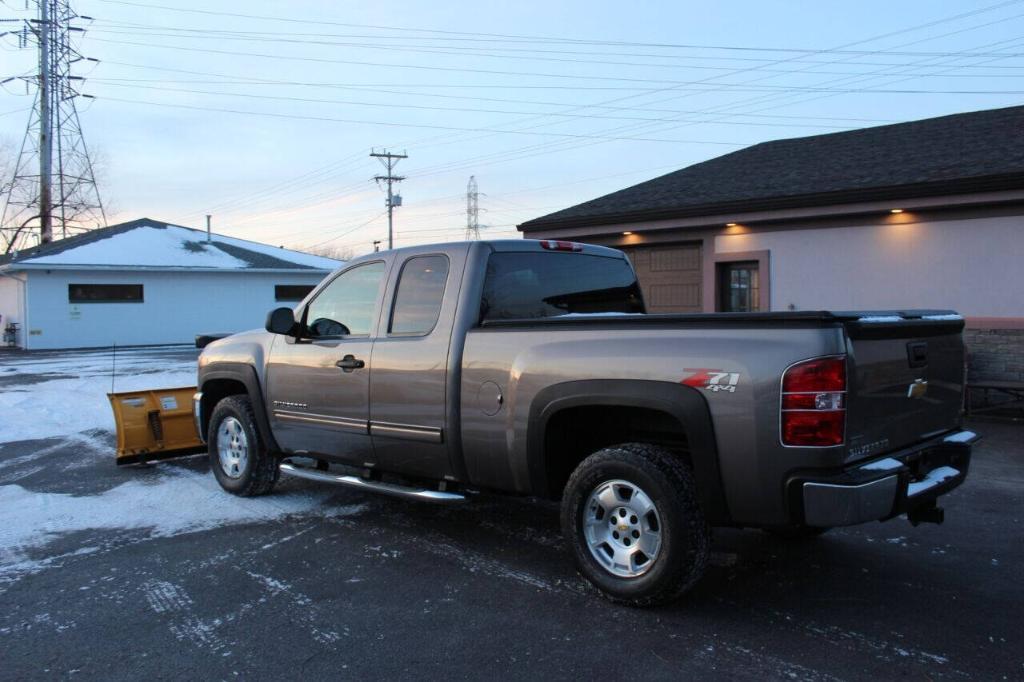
917	389
623	527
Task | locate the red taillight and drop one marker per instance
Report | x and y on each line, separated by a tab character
552	245
813	427
814	403
823	374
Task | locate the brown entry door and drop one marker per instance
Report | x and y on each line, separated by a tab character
670	277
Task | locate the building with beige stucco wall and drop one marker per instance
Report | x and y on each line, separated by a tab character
925	214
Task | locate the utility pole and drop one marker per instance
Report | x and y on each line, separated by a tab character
389	161
53	183
472	210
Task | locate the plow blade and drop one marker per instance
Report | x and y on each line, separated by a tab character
155	424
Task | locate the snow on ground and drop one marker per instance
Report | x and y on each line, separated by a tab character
75	399
177	500
181	501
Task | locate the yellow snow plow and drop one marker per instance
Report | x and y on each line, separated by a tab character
155	424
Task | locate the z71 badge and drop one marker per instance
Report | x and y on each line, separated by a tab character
712	379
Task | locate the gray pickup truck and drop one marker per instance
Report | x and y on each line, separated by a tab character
529	367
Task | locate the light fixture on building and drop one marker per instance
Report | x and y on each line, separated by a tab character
895	210
730	224
627	233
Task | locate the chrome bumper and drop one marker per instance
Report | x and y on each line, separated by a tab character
890	486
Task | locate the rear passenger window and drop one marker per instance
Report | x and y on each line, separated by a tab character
419	295
529	285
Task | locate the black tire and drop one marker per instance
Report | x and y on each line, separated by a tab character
260	471
796	533
685	539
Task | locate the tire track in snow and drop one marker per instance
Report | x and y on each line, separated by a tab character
168	599
306	612
854	641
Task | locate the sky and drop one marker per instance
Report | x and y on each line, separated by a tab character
263	114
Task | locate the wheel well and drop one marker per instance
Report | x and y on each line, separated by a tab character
574	433
216	390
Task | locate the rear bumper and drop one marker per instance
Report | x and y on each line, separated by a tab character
902	482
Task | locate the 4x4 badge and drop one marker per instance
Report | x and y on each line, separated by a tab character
712	379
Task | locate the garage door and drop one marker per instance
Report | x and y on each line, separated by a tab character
670	277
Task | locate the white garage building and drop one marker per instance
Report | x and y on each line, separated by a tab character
147	283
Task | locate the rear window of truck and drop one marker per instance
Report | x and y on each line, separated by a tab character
532	285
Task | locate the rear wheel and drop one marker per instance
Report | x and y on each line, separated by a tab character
633	523
240	461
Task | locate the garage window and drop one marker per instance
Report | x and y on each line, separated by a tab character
291	292
105	293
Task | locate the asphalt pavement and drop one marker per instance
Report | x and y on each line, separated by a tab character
320	582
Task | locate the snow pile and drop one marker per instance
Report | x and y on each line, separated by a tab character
181	501
65	406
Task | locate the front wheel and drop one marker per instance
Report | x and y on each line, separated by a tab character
238	457
631	516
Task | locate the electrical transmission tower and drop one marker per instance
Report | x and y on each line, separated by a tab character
472	210
390	161
53	189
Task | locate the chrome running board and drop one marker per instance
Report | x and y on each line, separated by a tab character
422	494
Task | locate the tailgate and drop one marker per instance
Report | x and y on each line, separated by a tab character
906	378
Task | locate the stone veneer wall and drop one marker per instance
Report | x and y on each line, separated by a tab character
994	354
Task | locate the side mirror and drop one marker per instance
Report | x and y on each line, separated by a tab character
281	321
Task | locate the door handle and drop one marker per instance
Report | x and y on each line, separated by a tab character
350	362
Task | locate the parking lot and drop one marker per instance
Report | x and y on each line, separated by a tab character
155	572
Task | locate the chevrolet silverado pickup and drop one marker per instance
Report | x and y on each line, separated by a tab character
530	368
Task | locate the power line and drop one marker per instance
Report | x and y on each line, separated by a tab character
303	117
425	67
497	53
423	107
134	28
371	87
810	53
554	39
348	231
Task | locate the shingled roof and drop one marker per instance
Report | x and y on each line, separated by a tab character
147	243
971	152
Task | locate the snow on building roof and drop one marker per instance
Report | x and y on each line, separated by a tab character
147	243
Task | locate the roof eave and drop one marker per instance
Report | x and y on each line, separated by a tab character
990	183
